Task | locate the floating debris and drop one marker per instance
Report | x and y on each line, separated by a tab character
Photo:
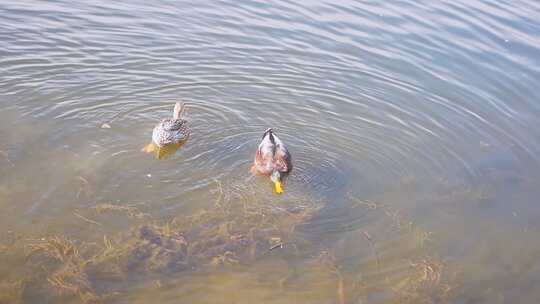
86	219
278	245
84	187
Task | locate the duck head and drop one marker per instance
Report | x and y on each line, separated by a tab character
276	179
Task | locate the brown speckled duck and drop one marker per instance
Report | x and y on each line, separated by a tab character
272	159
169	134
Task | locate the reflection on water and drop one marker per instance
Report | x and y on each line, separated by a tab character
413	127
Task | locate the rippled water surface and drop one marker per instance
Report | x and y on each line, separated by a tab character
414	128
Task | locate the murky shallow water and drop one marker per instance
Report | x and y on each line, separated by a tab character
414	128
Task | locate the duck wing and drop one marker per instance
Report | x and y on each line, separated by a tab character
263	161
170	131
173	124
282	160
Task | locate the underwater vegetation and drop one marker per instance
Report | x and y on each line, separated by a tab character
239	230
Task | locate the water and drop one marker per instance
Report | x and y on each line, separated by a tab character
429	110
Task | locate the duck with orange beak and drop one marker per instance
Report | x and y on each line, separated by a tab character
169	134
272	159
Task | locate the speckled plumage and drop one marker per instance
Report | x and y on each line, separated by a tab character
170	131
169	134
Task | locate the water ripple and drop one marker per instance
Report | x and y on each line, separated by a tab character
380	90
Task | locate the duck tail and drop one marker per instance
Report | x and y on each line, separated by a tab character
272	140
270	134
179	108
269	131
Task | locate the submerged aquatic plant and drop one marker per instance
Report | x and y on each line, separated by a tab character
69	275
423	283
240	228
11	291
237	229
131	210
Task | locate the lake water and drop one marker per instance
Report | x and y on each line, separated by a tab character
414	128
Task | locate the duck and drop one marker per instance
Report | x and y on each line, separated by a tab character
272	158
169	134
